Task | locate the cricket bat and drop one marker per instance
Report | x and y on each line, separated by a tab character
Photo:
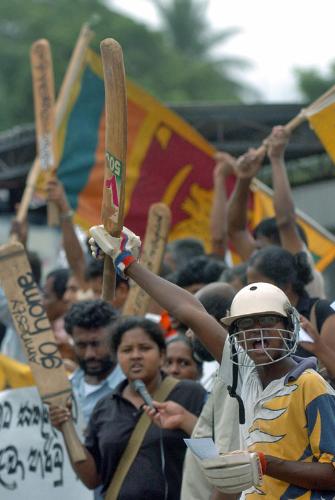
157	231
70	76
112	209
44	105
37	338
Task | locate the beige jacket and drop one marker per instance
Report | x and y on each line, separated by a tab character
219	420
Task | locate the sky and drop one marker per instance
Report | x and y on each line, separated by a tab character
275	36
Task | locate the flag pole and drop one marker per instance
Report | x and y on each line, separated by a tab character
74	67
300	117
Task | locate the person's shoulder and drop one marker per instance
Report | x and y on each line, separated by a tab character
76	377
313	384
325	307
190	384
190	387
102	408
106	401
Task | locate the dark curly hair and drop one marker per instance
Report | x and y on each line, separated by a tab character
283	268
60	278
268	227
152	329
89	314
202	269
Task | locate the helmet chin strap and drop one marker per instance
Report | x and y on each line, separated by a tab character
232	389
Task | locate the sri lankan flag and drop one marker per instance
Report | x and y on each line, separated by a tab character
167	161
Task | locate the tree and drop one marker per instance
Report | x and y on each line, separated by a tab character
24	21
189	33
173	72
312	83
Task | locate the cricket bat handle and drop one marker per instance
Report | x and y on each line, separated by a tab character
53	214
109	279
75	448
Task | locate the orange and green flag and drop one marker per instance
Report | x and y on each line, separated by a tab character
167	160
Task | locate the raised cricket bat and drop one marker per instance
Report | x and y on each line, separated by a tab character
70	76
157	231
37	338
112	209
44	105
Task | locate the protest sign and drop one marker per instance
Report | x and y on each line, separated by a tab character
34	463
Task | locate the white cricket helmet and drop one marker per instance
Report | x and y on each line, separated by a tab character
267	302
258	298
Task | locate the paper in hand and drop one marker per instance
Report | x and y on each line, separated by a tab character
304	336
202	447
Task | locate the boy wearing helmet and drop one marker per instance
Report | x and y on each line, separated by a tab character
287	411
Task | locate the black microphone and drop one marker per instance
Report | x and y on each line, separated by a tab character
139	386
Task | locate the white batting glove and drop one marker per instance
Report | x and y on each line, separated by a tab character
124	250
233	472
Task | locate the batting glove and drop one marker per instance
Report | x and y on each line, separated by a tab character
124	250
234	472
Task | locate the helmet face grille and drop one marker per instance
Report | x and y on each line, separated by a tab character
258	341
254	325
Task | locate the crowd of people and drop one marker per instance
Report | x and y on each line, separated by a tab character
241	354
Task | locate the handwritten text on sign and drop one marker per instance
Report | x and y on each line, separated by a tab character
34	464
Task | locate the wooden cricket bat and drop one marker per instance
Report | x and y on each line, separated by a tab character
72	71
44	105
157	231
38	341
112	209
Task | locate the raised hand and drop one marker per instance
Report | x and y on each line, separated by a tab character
276	143
225	164
249	164
19	228
123	250
56	194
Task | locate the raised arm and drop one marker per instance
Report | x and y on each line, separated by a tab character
246	167
19	229
178	302
74	253
283	199
218	217
183	306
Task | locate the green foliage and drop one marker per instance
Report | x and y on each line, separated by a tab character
174	64
312	83
303	170
188	32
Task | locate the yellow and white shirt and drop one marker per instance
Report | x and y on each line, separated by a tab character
293	418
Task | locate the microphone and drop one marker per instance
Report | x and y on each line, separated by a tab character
139	386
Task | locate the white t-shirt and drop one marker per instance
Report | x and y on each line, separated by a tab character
89	388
